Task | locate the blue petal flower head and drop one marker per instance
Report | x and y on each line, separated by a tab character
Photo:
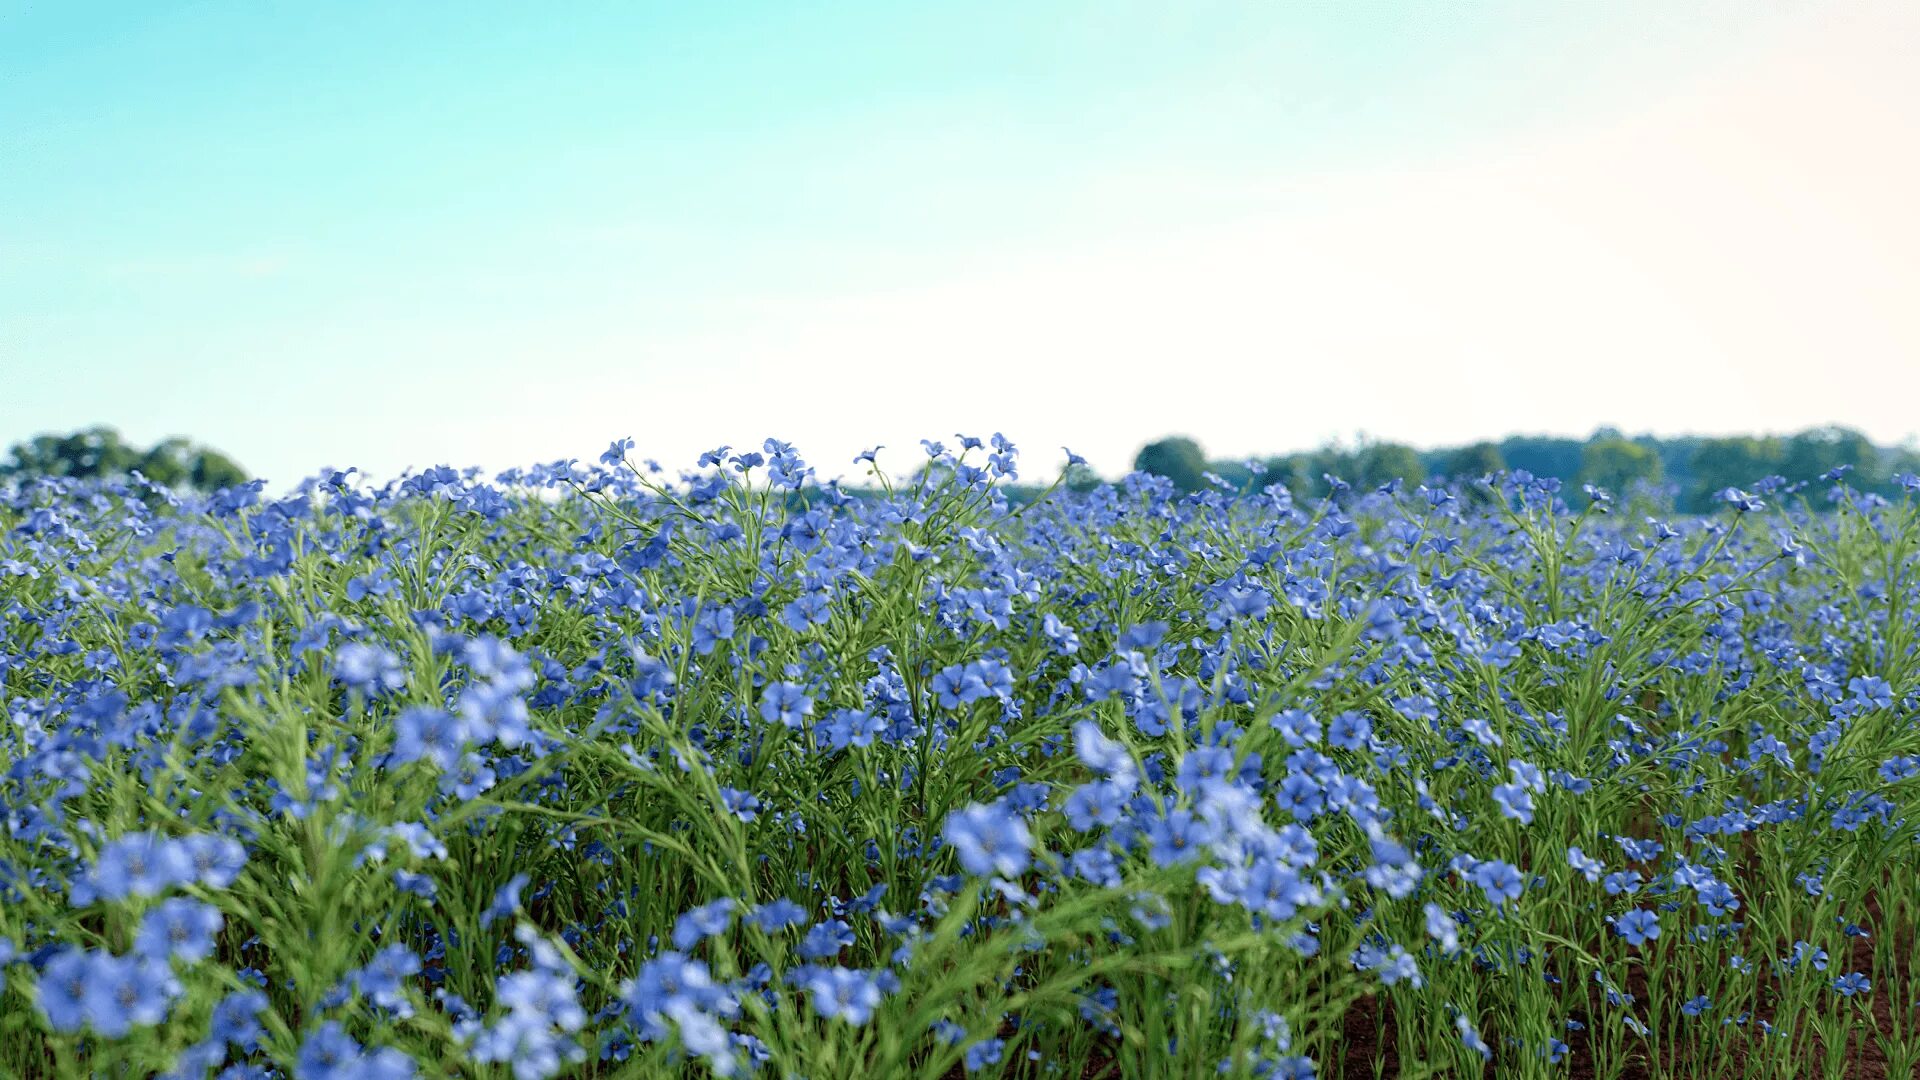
542	996
1108	757
1442	928
776	915
785	703
329	1053
1586	865
825	940
1514	802
140	864
1102	802
843	994
1177	837
1501	881
1638	926
989	839
178	928
707	920
712	626
236	1020
124	992
986	1052
428	733
369	669
616	452
1350	731
1297	726
62	989
1851	984
1471	1039
506	900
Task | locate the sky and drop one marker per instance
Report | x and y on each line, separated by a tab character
396	235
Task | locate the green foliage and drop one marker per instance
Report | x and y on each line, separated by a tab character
1423	694
1543	455
1381	463
1738	461
1177	458
99	453
1812	453
1474	461
1081	479
1616	463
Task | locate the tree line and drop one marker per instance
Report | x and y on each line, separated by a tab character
100	453
1688	470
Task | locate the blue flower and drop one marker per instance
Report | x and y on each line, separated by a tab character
1177	837
989	840
1638	926
369	669
423	732
62	989
826	939
506	899
140	864
1471	1039
1099	803
785	703
776	915
1442	929
214	861
841	993
1501	881
1514	802
705	921
127	992
616	451
712	626
178	928
236	1020
1851	984
543	996
1297	726
1350	731
329	1053
984	1053
1588	866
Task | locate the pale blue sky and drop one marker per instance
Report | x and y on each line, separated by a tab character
392	235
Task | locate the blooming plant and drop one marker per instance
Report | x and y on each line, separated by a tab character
590	771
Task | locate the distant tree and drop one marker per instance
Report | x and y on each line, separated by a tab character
1676	461
1304	473
1614	463
1543	455
1289	472
212	470
1812	453
1380	463
1178	459
1902	461
1081	478
82	455
1236	473
99	452
1472	462
1737	462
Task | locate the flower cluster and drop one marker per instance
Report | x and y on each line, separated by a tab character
589	770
